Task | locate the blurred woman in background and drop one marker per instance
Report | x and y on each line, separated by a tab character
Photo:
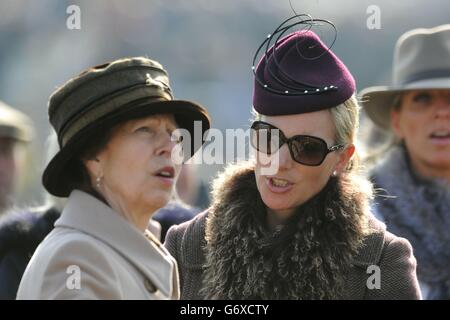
412	173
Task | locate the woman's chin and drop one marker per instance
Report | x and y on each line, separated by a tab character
441	161
275	203
159	200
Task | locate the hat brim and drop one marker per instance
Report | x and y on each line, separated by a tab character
377	101
60	176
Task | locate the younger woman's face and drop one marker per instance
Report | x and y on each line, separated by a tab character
293	183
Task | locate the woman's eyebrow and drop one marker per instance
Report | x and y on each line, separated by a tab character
155	123
140	122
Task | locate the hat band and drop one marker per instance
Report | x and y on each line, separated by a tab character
12	133
428	74
107	107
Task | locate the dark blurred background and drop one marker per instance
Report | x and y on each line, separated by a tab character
207	46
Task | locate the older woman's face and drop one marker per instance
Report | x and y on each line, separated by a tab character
136	165
294	183
423	121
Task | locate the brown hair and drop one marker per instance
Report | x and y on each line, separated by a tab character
93	145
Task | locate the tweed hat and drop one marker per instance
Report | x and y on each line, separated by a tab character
99	98
421	61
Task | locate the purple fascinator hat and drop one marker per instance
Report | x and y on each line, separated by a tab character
298	73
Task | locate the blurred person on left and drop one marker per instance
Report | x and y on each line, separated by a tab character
116	125
15	132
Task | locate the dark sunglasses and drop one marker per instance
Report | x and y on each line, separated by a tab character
306	150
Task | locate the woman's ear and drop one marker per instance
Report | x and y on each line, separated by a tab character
344	158
93	167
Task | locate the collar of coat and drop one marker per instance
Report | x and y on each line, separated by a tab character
418	209
89	215
234	188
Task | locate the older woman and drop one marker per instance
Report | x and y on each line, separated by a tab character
295	224
115	125
414	170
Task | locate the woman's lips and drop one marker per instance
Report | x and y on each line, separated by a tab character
440	138
166	181
277	185
166	175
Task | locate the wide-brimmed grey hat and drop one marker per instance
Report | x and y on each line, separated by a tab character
14	124
101	97
421	61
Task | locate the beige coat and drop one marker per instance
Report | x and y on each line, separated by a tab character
94	253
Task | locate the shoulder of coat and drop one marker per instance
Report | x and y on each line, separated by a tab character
192	244
373	243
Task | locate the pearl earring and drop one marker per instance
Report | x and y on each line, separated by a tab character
98	182
334	173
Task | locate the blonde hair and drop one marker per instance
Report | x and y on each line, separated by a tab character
380	141
346	121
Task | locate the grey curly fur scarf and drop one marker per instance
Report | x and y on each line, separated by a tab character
420	212
307	259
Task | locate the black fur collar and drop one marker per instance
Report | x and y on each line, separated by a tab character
24	230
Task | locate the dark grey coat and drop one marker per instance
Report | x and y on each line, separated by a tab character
392	254
229	226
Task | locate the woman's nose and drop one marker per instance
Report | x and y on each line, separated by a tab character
284	157
165	144
443	107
